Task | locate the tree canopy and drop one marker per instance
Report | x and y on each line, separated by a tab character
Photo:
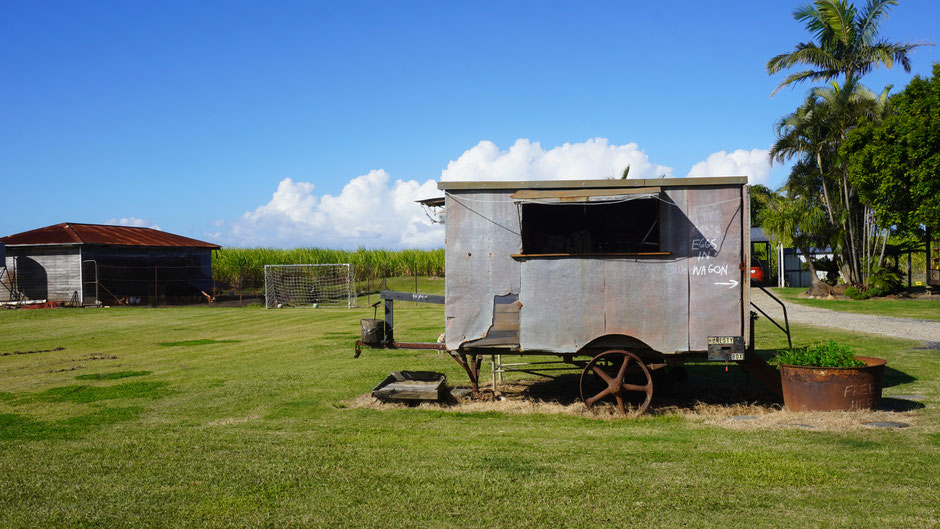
895	163
845	46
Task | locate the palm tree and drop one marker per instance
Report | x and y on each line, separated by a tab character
812	134
794	217
846	43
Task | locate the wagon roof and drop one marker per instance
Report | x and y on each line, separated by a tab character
76	233
583	184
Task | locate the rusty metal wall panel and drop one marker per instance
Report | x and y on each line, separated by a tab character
570	302
648	298
505	328
716	275
482	233
565	303
562	303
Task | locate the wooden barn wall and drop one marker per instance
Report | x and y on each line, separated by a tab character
52	273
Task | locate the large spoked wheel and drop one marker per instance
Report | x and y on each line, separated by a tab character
618	375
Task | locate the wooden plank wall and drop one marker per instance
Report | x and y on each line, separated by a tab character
45	273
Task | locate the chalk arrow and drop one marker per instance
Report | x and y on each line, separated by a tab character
733	283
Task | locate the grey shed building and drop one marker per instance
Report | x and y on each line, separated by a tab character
92	263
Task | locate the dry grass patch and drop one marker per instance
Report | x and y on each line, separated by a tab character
515	398
229	421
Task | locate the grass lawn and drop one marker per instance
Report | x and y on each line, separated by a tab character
239	417
923	309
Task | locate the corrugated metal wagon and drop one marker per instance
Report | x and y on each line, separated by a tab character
616	277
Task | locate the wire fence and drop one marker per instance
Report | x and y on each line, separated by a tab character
180	284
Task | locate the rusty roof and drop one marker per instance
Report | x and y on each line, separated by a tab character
589	184
76	233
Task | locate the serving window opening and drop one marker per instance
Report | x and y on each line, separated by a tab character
625	227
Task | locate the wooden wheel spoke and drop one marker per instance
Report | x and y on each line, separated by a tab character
620	404
623	367
599	371
648	388
621	390
593	400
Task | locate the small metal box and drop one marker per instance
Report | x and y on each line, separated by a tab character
725	348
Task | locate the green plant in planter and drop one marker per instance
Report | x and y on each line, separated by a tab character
828	354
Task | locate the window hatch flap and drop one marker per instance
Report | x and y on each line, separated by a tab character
548	196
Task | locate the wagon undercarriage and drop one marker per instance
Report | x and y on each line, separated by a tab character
621	376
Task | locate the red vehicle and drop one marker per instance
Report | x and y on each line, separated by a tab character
757	275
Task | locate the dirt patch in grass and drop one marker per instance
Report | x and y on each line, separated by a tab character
32	352
185	343
99	356
526	397
65	369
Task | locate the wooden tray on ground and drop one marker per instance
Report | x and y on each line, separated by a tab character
412	385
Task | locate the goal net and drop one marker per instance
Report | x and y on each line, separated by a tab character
309	285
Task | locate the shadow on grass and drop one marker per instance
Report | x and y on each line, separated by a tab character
85	394
900	405
893	377
17	427
674	387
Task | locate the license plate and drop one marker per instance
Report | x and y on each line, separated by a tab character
726	348
722	340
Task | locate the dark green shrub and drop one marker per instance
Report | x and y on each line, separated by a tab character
828	354
875	292
885	280
856	294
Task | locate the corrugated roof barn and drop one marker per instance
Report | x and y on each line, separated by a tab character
93	263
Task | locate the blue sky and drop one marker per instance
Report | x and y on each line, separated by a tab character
306	123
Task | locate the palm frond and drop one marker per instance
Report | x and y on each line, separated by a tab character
839	17
811	18
799	77
870	18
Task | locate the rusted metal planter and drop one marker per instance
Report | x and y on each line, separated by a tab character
833	388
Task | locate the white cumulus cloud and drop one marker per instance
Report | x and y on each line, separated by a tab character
370	211
133	221
525	160
376	212
754	164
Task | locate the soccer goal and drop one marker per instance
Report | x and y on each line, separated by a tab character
309	285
